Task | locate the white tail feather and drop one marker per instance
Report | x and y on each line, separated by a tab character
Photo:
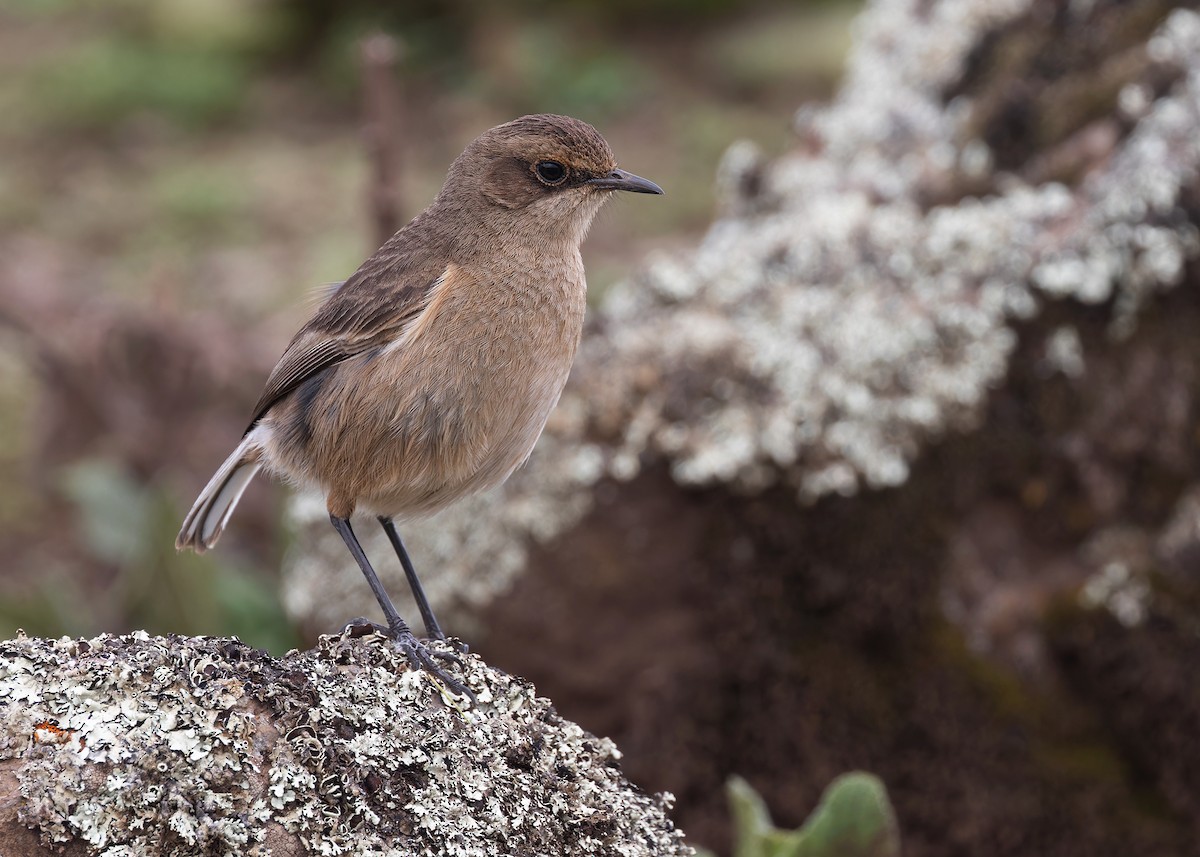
212	509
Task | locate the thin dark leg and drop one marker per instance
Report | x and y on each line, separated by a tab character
397	629
432	628
396	624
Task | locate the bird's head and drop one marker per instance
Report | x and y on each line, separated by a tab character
544	175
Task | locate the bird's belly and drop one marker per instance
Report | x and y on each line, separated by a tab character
451	408
455	443
407	441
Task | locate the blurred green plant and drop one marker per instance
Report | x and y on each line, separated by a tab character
129	526
853	819
113	78
442	21
188	62
550	70
544	63
191	197
783	50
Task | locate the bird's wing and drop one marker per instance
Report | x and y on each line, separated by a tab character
369	310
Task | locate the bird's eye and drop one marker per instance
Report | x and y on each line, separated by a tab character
550	172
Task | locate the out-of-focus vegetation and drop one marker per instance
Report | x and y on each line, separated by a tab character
176	176
853	819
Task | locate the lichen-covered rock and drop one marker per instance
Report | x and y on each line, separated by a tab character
140	745
860	295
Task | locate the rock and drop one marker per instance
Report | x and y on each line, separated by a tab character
150	745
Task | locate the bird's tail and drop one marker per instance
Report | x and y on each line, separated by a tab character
210	513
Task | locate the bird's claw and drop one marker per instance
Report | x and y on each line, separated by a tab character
419	655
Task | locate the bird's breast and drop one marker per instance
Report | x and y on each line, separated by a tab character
472	385
506	348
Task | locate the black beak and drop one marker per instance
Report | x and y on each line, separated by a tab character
622	180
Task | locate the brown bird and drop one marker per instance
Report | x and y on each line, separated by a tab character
430	373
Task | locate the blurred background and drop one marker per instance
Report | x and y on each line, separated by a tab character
1006	631
176	178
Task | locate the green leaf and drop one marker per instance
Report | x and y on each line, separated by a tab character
853	819
751	820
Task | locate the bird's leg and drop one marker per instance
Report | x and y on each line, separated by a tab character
396	625
414	583
397	629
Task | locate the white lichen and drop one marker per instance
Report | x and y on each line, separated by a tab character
183	746
1064	352
1177	547
1120	591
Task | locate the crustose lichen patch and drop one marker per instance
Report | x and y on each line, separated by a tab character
140	744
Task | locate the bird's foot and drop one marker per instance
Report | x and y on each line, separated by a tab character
418	652
361	626
421	656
